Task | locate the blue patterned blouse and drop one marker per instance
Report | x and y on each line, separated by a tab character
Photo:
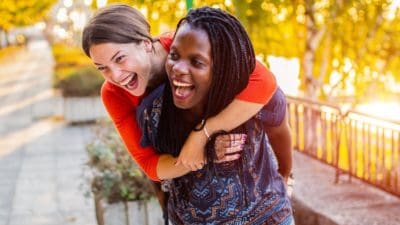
245	191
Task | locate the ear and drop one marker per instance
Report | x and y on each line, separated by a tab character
148	45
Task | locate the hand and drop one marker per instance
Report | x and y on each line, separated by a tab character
228	147
289	185
192	153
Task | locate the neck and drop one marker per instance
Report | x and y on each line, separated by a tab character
158	58
195	114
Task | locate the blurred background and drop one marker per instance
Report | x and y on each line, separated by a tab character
338	61
344	52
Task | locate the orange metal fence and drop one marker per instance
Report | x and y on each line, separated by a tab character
354	143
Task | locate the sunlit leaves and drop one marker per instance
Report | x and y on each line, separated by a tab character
20	13
359	40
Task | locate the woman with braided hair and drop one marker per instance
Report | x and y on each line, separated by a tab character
210	62
117	39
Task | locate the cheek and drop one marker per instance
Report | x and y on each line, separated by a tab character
168	66
207	80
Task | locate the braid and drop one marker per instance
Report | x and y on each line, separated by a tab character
233	60
231	51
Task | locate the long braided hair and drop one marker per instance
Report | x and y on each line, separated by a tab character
233	60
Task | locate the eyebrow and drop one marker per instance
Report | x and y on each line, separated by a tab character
98	64
193	55
115	55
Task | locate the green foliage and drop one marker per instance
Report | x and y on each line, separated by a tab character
84	81
74	73
116	177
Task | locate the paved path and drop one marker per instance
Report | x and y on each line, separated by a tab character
41	158
319	201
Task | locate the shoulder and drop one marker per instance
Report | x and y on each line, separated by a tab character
150	101
166	40
148	116
109	90
263	73
150	108
273	113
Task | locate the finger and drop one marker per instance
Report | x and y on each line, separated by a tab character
227	144
238	137
235	137
220	153
199	166
234	149
196	167
229	137
178	162
193	168
228	158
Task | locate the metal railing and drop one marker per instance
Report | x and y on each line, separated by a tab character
356	144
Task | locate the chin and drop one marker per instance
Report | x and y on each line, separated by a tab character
179	105
137	93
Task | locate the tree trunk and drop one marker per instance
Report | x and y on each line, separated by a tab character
313	39
4	42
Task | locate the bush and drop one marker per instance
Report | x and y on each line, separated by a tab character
67	56
84	81
74	73
115	176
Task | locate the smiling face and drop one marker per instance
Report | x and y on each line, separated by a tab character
189	68
125	65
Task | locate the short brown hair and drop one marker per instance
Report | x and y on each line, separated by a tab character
117	23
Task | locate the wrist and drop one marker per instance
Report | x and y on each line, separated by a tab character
205	132
202	128
209	127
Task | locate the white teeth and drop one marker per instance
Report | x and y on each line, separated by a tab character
181	84
126	80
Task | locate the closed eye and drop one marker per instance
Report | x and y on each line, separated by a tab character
101	68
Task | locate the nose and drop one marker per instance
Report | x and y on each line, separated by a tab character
180	68
115	74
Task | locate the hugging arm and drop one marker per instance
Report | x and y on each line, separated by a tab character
121	107
260	89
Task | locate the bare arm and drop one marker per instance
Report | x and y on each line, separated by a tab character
261	87
281	143
234	115
227	148
166	168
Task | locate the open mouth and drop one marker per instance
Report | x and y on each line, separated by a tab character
182	90
130	82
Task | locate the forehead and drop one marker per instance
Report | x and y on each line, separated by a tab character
104	48
194	37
